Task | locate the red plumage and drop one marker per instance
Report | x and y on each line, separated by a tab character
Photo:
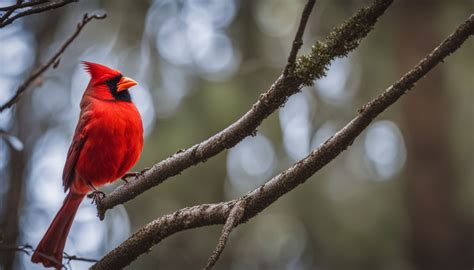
107	142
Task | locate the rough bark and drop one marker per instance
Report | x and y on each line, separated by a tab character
260	198
339	43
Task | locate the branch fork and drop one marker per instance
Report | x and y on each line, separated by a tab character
235	212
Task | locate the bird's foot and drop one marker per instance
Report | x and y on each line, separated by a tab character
133	174
96	196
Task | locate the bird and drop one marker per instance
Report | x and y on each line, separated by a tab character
107	143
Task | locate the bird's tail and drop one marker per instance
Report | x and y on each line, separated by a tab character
49	251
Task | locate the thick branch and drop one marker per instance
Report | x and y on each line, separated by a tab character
35	7
260	198
51	62
340	42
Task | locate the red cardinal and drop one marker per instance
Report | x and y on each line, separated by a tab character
107	143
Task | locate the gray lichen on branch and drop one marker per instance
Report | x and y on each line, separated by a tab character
260	198
340	41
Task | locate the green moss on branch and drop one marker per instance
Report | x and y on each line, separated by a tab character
339	43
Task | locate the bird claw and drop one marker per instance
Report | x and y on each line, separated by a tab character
96	196
133	174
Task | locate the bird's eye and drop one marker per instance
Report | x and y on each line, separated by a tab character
112	83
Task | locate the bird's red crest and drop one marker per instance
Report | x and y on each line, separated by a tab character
100	72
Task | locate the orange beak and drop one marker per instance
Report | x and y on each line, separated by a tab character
125	83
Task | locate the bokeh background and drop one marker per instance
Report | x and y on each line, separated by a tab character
401	197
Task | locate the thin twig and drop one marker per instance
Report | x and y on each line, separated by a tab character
233	220
20	4
36	7
76	258
298	41
28	249
9	12
39	71
260	198
351	32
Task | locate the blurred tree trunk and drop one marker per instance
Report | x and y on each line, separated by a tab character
435	239
28	129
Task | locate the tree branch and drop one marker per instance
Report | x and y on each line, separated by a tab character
51	62
36	7
340	42
28	249
233	220
260	198
298	41
9	12
21	4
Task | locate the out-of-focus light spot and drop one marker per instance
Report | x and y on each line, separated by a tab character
88	232
295	124
7	88
87	236
277	240
46	165
184	44
296	106
6	119
79	82
217	60
158	13
277	17
14	142
385	148
135	62
33	222
118	225
172	42
333	88
7	3
26	264
16	54
220	13
250	163
142	99
51	100
323	133
194	37
175	86
296	138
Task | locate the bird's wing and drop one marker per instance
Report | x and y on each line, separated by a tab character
80	136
